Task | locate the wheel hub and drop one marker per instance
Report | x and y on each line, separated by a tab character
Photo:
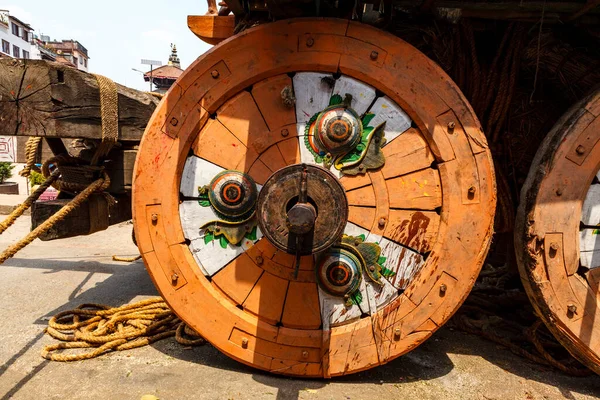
302	209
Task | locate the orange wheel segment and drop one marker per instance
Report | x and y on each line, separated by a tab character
315	197
557	232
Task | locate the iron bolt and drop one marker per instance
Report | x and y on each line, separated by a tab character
245	343
472	190
572	308
372	268
215	74
382	222
361	167
374	55
284	132
174	121
310	42
174	278
580	150
451	126
154	218
559	192
259	260
397	333
217	229
305	354
443	288
553	249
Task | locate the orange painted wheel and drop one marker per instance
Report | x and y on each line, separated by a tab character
557	231
275	142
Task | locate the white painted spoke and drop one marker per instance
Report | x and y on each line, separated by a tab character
197	172
312	94
362	94
396	120
590	212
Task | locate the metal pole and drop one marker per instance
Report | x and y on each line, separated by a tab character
151	69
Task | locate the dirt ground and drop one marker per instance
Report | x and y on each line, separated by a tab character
46	278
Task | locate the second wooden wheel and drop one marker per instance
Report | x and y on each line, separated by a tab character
314	197
557	232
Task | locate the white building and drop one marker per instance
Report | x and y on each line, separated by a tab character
15	36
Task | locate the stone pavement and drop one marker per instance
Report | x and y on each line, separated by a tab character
48	277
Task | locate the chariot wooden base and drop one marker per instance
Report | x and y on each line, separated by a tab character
244	106
557	231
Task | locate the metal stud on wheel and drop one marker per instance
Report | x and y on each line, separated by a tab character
400	164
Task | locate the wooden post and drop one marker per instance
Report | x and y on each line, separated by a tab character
41	98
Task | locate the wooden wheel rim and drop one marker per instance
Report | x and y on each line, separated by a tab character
452	139
548	237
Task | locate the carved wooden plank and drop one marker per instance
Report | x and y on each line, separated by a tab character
238	278
420	190
405	154
267	95
403	262
242	117
364	196
396	120
590	213
361	216
302	309
41	98
313	91
415	229
267	298
379	296
211	29
197	172
362	94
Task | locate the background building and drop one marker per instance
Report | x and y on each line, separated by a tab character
164	77
15	36
70	51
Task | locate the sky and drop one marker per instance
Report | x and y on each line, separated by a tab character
118	34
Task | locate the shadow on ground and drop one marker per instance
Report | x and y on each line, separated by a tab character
431	360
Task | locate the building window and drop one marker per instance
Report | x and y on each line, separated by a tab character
25	54
85	62
5	47
25	36
15	29
81	61
74	60
16	51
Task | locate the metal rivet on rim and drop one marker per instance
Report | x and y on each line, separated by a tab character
374	55
215	74
472	191
559	192
259	260
154	218
443	288
305	354
451	126
553	249
174	121
245	343
284	132
397	333
174	278
382	222
580	150
572	308
310	42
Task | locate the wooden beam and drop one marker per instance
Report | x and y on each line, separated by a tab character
41	98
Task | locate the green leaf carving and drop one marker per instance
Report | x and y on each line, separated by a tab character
204	203
362	236
335	100
356	298
388	273
367	119
381	260
223	242
208	237
252	234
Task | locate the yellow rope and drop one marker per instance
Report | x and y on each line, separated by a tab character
104	329
109	113
8	221
31	148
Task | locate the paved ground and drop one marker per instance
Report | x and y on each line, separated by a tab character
49	277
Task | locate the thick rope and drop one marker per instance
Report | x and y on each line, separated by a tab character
97	186
17	212
104	329
31	149
109	113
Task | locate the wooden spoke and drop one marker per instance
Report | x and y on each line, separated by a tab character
309	92
556	231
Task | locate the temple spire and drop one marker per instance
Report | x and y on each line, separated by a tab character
173	59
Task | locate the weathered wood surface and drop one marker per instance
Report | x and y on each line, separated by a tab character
41	98
433	236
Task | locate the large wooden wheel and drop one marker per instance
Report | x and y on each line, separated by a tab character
274	143
557	231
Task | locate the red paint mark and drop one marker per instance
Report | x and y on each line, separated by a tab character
12	92
234	145
157	159
305	113
28	86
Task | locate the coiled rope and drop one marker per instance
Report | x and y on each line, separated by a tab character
104	329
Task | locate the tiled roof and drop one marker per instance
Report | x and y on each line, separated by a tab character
166	71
